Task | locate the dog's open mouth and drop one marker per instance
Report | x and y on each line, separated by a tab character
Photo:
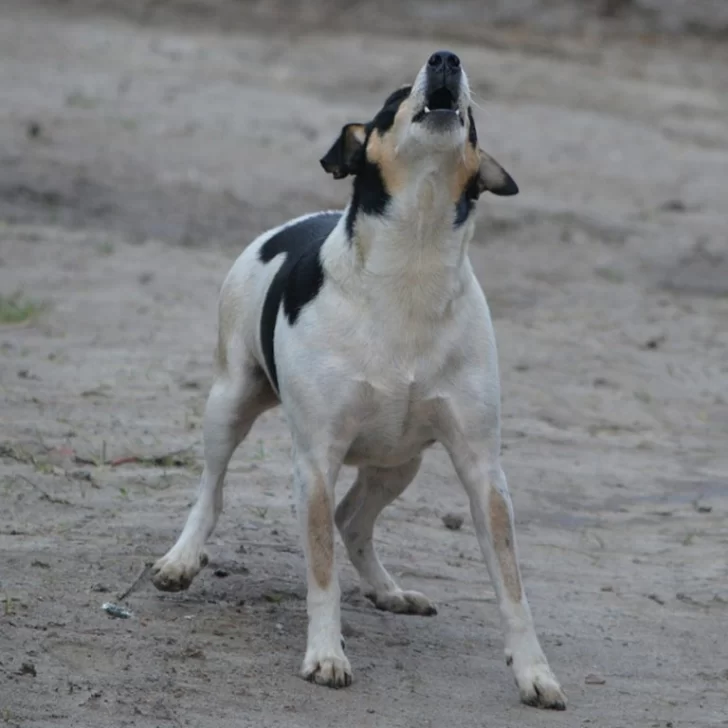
441	102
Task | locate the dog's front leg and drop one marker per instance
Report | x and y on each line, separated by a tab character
476	460
325	662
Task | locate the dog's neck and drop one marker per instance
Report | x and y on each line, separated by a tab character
412	255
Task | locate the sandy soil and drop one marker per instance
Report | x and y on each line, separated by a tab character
137	158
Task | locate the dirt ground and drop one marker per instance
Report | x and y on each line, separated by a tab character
139	152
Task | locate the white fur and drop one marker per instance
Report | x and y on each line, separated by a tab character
394	353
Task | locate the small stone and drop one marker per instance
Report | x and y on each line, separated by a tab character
221	573
194	653
28	668
674	206
607	588
116	610
655	342
27	374
453	521
594	679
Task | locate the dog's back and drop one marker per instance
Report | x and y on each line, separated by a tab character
280	270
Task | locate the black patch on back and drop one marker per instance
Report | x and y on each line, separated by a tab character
297	281
370	196
472	131
464	206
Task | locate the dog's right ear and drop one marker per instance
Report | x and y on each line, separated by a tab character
343	157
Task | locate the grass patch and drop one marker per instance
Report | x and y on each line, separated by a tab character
18	309
612	275
80	100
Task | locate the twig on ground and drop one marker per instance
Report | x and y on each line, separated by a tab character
44	494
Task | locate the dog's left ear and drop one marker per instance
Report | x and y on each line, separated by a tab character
493	178
342	159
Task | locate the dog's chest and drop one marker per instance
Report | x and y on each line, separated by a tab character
395	423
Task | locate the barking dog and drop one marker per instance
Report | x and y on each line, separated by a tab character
371	330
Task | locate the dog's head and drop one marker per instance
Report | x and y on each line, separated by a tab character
426	124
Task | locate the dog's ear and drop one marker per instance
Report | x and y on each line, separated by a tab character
343	157
493	178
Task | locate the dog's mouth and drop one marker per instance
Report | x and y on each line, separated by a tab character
440	104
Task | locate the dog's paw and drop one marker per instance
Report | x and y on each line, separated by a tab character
538	687
174	574
403	602
329	668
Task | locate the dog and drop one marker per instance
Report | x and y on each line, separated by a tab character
371	330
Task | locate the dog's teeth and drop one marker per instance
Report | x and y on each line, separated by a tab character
427	109
457	112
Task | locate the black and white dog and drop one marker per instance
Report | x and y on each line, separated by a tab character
371	330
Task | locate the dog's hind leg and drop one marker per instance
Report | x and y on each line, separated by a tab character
477	464
235	401
374	489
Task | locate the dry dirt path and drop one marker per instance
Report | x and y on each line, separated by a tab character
136	161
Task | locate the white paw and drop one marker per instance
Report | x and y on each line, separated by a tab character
403	602
327	667
537	684
172	573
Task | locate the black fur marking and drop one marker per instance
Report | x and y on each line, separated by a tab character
472	131
464	206
370	195
398	96
385	117
297	282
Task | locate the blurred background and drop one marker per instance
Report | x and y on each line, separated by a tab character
144	143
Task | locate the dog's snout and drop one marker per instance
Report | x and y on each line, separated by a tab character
444	60
444	71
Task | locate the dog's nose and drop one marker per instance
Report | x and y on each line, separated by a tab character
444	71
444	61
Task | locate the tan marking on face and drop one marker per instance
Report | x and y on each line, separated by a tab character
504	543
382	151
320	533
468	166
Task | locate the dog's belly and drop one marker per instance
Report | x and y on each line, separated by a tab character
394	433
